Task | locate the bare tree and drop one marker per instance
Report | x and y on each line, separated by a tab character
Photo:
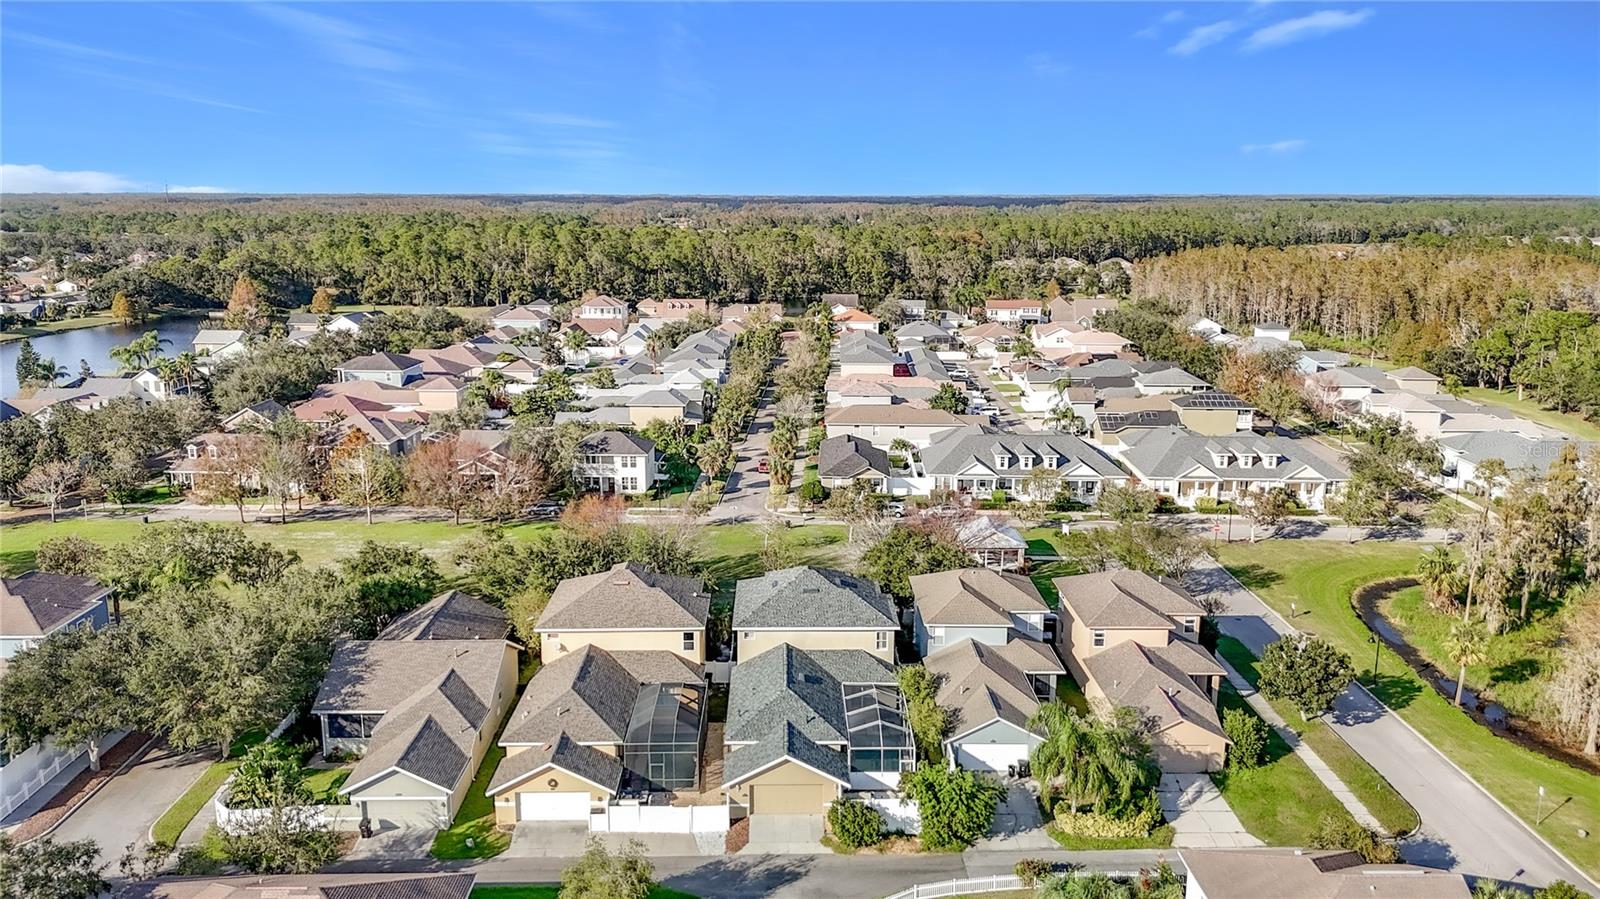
365	475
51	483
435	479
1575	690
226	473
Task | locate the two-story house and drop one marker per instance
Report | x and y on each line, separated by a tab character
627	607
603	308
812	608
393	369
1133	641
420	705
1014	312
616	462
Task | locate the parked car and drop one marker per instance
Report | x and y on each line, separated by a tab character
544	510
895	508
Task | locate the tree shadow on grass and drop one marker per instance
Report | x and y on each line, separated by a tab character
741	876
1516	672
1254	576
1395	690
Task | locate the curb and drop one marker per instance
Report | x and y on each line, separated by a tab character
129	763
1589	882
150	832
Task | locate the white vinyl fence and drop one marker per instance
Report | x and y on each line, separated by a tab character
662	819
898	814
992	884
233	820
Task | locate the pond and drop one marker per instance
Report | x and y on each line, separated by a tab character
67	348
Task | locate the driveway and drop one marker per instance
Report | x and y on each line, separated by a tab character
1200	817
1463	828
1018	824
391	843
785	835
121	813
563	839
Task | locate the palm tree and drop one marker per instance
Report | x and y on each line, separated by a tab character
188	364
494	384
1467	644
1441	575
1064	418
1087	756
167	370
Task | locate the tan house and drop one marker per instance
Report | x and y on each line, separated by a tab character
1271	873
812	608
882	425
628	608
1132	642
595	723
420	705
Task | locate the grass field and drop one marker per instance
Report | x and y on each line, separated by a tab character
1279	802
475	819
1320	577
1533	411
1389	807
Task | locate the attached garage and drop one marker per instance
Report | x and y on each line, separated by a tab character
990	757
535	806
792	799
406	813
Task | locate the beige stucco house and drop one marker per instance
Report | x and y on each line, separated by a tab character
812	608
1132	641
626	608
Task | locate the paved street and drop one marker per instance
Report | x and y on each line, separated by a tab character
1463	828
748	489
122	812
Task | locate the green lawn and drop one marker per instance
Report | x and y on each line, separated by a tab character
324	783
169	827
1044	575
1068	691
1389	807
475	819
1319	576
1532	410
1281	801
1160	838
733	551
551	891
55	327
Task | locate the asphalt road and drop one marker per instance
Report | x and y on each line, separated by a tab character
745	499
122	812
1463	828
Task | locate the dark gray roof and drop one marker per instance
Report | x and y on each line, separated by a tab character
563	752
308	886
590	693
384	361
954	452
615	443
785	685
627	595
865	347
1168	377
38	602
847	456
786	742
1209	399
922	330
807	597
450	616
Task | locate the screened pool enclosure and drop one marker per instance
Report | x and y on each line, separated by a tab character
662	752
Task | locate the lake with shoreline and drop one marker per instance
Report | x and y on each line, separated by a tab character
94	345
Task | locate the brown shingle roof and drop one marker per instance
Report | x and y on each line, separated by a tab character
1126	599
974	596
625	597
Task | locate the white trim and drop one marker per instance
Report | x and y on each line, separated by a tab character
778	761
493	790
347	788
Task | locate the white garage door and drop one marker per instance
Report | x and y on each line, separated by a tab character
406	813
994	757
553	806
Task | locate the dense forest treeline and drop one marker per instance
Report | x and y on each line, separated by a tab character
478	251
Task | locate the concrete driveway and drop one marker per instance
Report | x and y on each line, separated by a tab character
785	835
1200	817
120	814
394	843
562	839
1018	824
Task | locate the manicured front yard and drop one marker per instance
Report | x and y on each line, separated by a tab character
1319	577
1281	801
1389	807
1160	838
1531	409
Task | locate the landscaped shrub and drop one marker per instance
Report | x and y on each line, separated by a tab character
1248	734
1560	890
1032	870
855	824
270	774
997	499
1208	506
1344	832
1096	826
956	807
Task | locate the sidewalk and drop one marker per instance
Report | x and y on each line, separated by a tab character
1306	753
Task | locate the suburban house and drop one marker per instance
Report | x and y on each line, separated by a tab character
1522	455
843	460
882	425
988	340
1132	641
307	886
867	353
925	333
603	333
636	405
616	462
913	309
255	415
1188	467
602	307
1168	379
216	453
526	317
395	430
1090	342
806	725
33	606
991	607
812	608
672	308
1209	412
86	395
990	697
839	303
393	369
420	705
1268	873
342	323
626	608
218	343
992	544
856	320
460	360
978	462
1014	312
596	724
1080	311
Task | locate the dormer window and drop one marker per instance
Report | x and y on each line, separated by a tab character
1002	461
1051	460
1220	459
211	451
1246	460
194	451
1269	460
1027	461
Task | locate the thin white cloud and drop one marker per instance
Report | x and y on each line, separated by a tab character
564	120
343	41
158	89
1153	30
1317	24
81	50
37	179
1293	145
199	189
1045	64
1204	36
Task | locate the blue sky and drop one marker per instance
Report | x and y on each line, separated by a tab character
835	98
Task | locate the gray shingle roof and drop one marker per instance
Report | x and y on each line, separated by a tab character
626	596
789	686
847	456
974	596
785	742
952	453
1518	452
1124	598
1146	679
615	443
979	684
563	752
590	692
38	602
452	615
308	886
384	361
1172	452
807	597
